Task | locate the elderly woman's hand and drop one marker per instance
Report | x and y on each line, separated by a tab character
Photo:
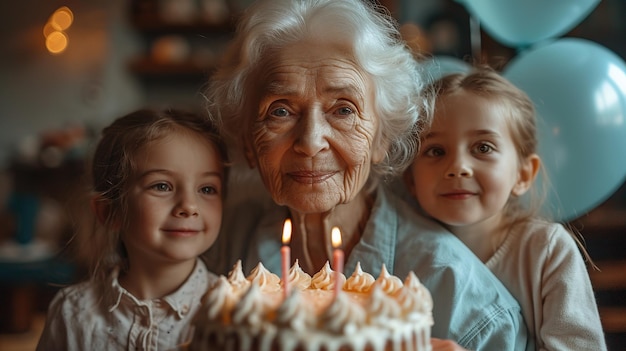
445	345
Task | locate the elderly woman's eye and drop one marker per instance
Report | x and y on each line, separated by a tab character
345	111
279	112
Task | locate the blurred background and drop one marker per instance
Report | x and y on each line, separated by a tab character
68	68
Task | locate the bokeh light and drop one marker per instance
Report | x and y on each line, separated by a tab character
56	42
48	29
54	30
62	18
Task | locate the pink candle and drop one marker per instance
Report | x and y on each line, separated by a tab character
337	258
285	254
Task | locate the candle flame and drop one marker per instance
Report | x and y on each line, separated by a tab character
335	237
287	231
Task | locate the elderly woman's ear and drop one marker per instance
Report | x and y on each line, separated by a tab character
248	152
379	151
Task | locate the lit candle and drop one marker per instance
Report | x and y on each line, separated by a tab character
337	258
285	254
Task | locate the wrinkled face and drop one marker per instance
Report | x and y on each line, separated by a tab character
467	166
175	201
314	127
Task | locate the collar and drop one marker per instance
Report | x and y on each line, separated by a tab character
180	301
378	242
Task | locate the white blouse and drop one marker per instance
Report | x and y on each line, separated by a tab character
81	318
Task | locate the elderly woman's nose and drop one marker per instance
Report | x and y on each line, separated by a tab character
312	134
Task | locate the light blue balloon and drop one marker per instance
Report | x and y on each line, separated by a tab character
579	90
520	23
439	66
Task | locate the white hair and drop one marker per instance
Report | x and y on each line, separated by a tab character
377	49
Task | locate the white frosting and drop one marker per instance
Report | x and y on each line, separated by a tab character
381	309
219	300
325	278
421	293
389	283
364	315
294	314
265	279
238	279
251	308
359	280
343	316
298	278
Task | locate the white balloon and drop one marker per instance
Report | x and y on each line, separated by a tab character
579	90
520	23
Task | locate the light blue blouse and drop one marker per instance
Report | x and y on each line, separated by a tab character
471	306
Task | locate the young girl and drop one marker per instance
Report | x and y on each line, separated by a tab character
476	159
158	179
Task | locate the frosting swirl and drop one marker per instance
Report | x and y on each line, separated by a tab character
389	283
219	300
414	290
295	315
343	316
359	281
325	280
250	309
298	278
265	279
380	307
237	279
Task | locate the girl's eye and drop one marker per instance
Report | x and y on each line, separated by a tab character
209	190
161	187
484	148
434	152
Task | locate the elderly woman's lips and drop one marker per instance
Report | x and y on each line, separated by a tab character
311	177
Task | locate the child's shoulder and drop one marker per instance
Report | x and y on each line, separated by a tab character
546	234
543	227
76	297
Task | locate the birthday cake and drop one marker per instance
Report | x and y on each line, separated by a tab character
257	313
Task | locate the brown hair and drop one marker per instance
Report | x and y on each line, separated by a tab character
485	82
113	164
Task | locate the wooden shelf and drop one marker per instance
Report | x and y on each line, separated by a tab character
151	24
144	66
192	44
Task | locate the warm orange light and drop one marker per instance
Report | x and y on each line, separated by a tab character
53	31
285	256
62	18
287	231
338	258
48	29
335	237
56	42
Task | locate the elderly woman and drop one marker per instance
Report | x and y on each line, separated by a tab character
322	98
